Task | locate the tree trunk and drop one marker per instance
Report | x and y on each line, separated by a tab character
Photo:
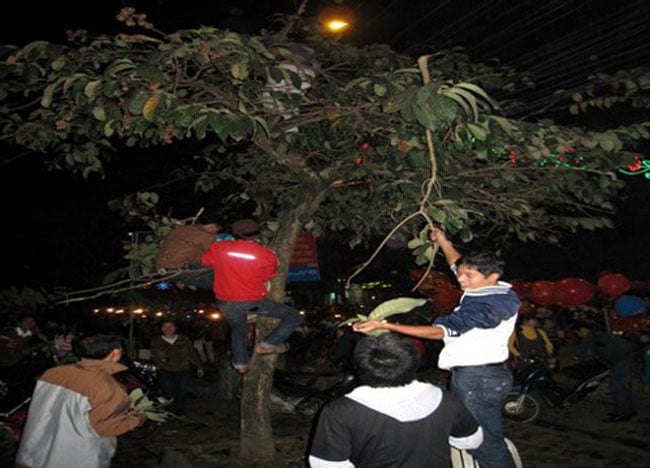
257	446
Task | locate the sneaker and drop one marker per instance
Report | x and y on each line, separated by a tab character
279	349
243	370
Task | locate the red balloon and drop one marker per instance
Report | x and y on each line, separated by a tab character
445	300
574	291
613	284
522	288
543	293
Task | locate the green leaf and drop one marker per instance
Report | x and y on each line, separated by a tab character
478	131
469	97
380	90
414	243
401	305
137	103
239	70
92	89
119	66
478	90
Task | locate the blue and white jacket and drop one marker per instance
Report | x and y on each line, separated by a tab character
478	329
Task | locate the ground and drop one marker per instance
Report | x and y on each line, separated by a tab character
208	436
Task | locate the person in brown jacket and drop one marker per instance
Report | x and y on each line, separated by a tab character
78	410
181	251
175	355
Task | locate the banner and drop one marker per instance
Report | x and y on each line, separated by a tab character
303	265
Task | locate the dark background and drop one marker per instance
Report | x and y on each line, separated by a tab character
58	230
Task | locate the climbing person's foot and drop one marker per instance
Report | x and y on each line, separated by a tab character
265	349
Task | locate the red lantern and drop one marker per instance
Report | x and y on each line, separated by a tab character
445	300
573	292
613	284
543	293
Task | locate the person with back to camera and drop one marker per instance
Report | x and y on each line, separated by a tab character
391	419
619	355
78	410
243	269
475	348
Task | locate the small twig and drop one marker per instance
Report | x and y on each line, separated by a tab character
101	291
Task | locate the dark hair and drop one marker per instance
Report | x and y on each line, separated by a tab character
387	360
164	321
485	263
96	346
578	324
24	316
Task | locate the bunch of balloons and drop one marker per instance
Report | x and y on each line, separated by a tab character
567	292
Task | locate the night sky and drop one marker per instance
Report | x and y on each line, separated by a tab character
58	230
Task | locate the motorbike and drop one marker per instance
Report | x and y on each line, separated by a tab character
300	390
534	382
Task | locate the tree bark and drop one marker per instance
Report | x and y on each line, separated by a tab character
257	446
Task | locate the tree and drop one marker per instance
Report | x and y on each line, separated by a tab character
314	135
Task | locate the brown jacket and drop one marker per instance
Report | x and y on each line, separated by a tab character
75	415
185	245
176	357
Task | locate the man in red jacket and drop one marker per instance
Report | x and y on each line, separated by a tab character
242	271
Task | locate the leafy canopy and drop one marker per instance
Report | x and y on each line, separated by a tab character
335	137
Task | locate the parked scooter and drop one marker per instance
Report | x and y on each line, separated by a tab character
533	382
299	390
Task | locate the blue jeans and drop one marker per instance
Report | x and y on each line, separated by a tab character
236	314
482	390
174	385
199	277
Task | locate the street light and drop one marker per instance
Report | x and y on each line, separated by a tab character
337	25
336	20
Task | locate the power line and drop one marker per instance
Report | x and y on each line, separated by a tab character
454	24
526	21
420	20
577	35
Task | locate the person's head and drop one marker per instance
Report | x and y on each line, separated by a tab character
26	322
581	328
529	320
104	347
245	229
479	270
387	360
168	328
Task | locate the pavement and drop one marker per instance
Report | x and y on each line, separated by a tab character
572	437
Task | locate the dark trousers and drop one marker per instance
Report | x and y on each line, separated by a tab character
620	385
174	385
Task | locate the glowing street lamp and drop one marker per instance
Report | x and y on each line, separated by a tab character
336	20
337	25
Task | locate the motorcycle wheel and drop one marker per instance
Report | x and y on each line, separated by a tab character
520	408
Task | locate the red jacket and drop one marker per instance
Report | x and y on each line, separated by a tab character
241	270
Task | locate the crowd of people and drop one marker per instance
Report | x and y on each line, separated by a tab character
394	413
